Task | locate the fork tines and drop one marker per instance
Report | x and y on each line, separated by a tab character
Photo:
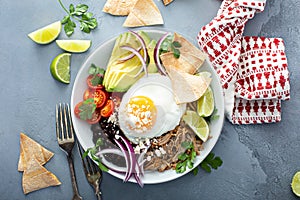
64	127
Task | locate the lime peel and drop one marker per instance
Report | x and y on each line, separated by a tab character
296	184
46	34
74	46
197	124
206	105
60	68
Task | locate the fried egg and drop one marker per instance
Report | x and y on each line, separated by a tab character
148	109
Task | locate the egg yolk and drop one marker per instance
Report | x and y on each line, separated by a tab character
141	113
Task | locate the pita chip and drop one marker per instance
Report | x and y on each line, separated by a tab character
188	48
119	7
144	13
190	60
35	176
187	87
167	2
186	62
41	154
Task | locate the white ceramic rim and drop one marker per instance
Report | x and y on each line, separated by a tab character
84	134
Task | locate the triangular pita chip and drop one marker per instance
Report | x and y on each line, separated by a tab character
167	2
41	154
144	13
36	177
188	48
186	62
119	7
187	87
190	60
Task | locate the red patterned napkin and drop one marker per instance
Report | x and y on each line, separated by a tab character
253	70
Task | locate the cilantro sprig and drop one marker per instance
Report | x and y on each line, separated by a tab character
87	109
98	74
79	13
211	162
170	45
92	151
187	158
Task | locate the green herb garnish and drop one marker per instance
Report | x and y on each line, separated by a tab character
211	162
98	74
169	45
213	116
81	14
92	151
87	109
187	158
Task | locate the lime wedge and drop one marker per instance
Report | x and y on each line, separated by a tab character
206	104
46	34
60	68
197	124
296	184
74	46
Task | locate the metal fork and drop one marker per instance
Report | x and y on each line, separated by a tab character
65	138
92	172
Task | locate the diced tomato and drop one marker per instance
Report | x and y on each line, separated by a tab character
107	110
76	109
95	117
91	86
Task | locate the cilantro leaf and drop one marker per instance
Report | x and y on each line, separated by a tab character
211	162
187	158
79	13
92	151
168	45
87	109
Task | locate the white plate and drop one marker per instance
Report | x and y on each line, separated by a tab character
84	134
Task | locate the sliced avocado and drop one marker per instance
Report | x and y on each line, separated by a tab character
117	66
120	76
123	83
145	37
152	66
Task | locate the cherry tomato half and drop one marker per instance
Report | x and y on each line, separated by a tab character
90	84
76	109
107	110
95	117
99	96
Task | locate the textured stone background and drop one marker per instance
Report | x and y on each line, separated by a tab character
259	160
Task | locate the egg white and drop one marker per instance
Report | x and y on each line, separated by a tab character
159	89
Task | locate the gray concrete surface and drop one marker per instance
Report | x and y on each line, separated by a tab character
259	160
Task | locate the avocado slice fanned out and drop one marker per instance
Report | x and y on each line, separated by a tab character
120	75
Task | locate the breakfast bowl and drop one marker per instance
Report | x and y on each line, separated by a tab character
165	105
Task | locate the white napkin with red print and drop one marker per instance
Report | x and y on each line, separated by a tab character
253	70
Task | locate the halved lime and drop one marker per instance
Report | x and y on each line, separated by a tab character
60	67
197	124
74	46
296	184
46	34
206	103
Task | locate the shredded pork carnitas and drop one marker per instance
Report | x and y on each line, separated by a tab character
164	152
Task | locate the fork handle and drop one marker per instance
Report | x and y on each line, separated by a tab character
98	195
73	177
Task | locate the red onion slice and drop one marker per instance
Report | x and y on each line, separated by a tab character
156	54
144	65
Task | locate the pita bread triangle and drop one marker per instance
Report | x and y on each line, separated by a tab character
144	13
118	7
41	154
35	176
187	87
